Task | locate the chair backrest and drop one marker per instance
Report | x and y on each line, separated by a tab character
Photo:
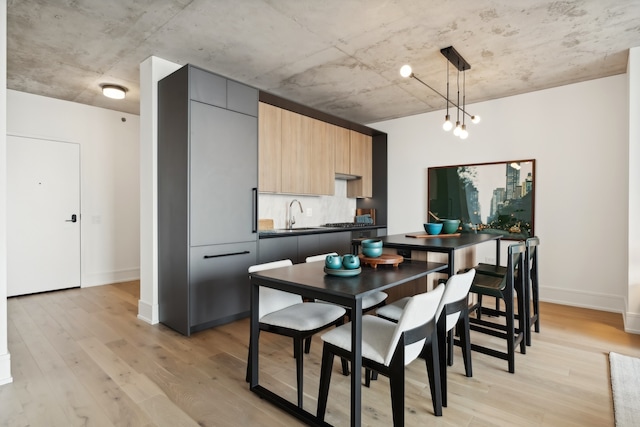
316	258
456	289
420	309
273	299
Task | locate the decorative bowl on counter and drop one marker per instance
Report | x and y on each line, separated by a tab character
371	252
371	243
450	226
433	228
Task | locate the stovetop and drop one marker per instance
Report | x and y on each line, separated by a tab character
346	224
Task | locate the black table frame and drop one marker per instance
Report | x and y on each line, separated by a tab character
309	280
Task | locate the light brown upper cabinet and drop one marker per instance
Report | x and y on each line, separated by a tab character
360	161
321	168
269	148
343	149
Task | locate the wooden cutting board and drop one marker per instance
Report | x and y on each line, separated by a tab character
426	236
265	224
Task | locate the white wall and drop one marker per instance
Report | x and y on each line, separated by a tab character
152	69
5	357
632	319
578	135
110	197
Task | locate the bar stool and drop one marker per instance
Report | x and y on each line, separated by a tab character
503	288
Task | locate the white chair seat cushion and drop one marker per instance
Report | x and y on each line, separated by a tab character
376	336
373	299
393	310
304	316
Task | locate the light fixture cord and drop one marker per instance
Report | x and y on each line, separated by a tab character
464	92
458	106
447	88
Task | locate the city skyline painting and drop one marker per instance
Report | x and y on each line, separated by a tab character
486	197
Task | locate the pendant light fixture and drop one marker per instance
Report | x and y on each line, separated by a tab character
461	65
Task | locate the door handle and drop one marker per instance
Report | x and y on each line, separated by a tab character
74	218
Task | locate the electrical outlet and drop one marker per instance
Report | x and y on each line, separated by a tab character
309	212
490	260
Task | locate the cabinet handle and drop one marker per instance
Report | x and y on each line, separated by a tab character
255	210
229	254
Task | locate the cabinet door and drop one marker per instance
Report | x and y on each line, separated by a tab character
207	87
361	165
242	98
342	149
219	289
278	248
320	173
296	129
223	176
269	148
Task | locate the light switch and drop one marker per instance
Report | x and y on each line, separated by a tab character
309	212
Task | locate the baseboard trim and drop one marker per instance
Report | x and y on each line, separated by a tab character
584	299
5	369
148	312
631	322
99	279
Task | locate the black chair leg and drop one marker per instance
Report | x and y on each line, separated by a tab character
465	342
450	347
298	344
396	384
307	345
436	383
325	379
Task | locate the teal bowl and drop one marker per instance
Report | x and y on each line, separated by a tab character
433	228
371	243
371	252
450	226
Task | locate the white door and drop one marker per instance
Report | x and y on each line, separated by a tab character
43	215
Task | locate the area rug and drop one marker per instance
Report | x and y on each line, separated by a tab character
625	384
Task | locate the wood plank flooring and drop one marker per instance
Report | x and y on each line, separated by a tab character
81	357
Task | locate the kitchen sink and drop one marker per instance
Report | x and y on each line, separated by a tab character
294	230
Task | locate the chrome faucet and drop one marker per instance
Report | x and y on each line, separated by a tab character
292	219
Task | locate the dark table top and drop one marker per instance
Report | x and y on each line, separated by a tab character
309	279
442	244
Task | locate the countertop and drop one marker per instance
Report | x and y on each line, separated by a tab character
281	232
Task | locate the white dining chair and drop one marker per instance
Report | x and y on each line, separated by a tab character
387	347
369	302
453	311
284	313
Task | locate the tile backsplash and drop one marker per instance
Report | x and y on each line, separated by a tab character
324	209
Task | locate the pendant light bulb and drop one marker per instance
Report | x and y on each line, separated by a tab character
406	71
475	119
447	125
457	129
463	132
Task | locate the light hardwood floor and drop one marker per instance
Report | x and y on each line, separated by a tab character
81	357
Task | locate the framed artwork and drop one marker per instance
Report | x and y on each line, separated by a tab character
496	197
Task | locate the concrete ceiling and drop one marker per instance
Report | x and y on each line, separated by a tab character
339	56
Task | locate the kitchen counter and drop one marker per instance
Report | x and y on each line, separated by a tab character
282	232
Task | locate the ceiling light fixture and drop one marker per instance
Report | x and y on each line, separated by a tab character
113	91
461	65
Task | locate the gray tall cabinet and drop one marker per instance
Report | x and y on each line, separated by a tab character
207	198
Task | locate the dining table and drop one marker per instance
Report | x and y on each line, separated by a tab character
448	244
310	281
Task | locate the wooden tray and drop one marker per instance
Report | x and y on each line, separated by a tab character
426	236
382	259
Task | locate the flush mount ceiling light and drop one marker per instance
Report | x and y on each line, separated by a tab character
113	91
461	65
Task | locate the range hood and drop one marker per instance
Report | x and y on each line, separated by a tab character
347	177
